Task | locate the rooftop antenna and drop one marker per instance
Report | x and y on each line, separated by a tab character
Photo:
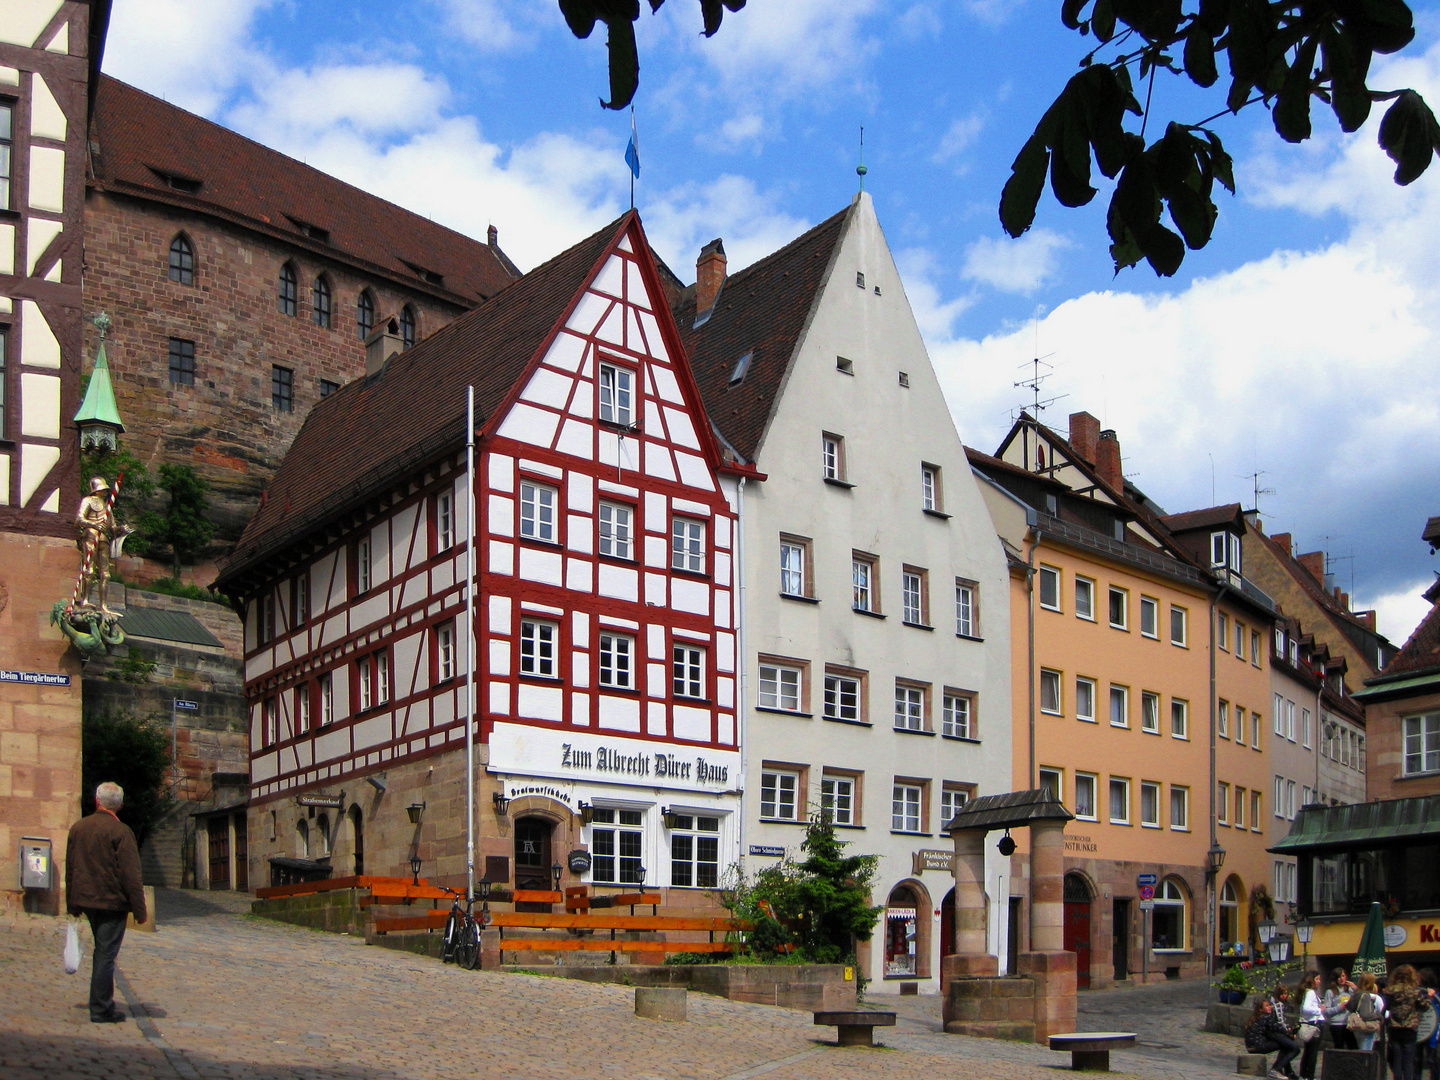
1035	381
860	169
1212	478
1254	479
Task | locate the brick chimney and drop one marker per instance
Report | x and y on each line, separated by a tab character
1314	561
492	235
709	275
1107	460
1084	435
1366	617
384	342
1282	541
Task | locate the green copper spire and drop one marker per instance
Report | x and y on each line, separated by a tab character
98	417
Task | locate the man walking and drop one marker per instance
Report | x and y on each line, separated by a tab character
102	879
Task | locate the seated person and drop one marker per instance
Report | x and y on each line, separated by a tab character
1265	1033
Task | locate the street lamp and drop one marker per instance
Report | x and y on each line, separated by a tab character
415	869
1279	948
1215	858
502	803
555	871
415	811
1304	931
1266	930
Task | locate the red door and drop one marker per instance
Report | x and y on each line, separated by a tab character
947	924
1077	940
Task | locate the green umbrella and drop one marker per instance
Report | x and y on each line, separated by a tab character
1371	954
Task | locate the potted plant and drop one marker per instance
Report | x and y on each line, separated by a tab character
1234	986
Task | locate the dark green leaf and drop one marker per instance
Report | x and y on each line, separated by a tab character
1102	20
1409	135
1193	214
1248	44
1021	193
1390	26
1220	163
1068	188
624	62
1164	251
711	11
580	16
1174	158
1292	108
1104	119
1200	55
1349	97
1072	139
1157	20
1070	13
1135	199
1214	15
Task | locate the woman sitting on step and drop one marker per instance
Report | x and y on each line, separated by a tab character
1265	1033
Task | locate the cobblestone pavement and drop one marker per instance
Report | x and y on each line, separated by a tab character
219	995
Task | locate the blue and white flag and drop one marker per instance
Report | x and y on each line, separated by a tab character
632	152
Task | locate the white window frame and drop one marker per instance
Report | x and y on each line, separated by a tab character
539	648
1121	785
538	518
787	687
1122	695
363	568
687	545
832	456
444	651
364	684
1222	719
844	693
1180	822
1222	631
794	567
615	530
1420	744
302	709
444	521
1183	638
1124	596
907	807
912	597
1054	679
1150	717
931	494
690	831
957	715
1222	803
953	798
616	386
967	610
687	671
1151	788
911	701
616	668
326	684
1179	710
1289	719
1085	598
1085	698
837	795
1049	583
1057	787
1086	781
618	830
780	790
864	592
1149	617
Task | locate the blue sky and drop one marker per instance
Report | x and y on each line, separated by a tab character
1300	343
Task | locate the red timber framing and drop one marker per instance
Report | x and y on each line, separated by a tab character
604	555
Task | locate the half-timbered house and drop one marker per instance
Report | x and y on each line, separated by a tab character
603	627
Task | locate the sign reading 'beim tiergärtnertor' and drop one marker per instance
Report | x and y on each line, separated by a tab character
517	748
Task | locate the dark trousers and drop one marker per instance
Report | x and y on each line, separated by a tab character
1342	1037
108	929
1285	1046
1402	1053
1309	1056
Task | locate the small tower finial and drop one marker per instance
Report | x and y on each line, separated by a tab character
860	169
102	323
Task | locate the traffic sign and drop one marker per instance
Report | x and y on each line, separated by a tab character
1147	892
181	703
1145	879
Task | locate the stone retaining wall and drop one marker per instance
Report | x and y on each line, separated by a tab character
338	911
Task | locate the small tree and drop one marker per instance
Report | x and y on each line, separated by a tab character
134	752
832	891
184	527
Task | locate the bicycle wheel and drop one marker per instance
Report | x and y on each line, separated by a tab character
467	947
451	936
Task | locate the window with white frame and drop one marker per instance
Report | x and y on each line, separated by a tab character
1422	743
909	706
1239	725
1149	616
1255	647
1277	796
537	512
1239	640
372	679
617	395
1054	781
837	795
694	851
617	660
1257	807
957	715
780	687
302	708
1119	801
444	521
617	845
794	562
1084	698
1306	738
967	608
1279	712
326	684
1239	808
1085	796
1150	711
265	618
537	648
269	722
907	808
1179	625
1222	803
843	698
1289	719
1084	598
913	600
1179	718
930	492
1179	808
1119	608
687	671
1050	701
615	528
687	545
778	790
1219	549
832	456
1169	919
444	651
1290	800
864	588
362	565
1119	706
953	798
1222	630
300	599
1222	719
1149	804
1049	588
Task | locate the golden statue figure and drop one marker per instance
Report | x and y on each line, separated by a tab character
101	540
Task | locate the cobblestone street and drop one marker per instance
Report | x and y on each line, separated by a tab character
219	995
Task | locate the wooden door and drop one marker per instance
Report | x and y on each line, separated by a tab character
219	830
242	868
1121	924
1077	940
532	858
947	925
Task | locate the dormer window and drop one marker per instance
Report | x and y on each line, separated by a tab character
314	232
1225	552
189	185
617	395
1218	549
428	276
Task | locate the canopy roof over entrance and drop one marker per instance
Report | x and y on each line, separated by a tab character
1362	824
1012	810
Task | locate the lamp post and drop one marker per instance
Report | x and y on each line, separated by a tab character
1279	948
502	803
1214	860
555	871
415	868
416	813
1304	931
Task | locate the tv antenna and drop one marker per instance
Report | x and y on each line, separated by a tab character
1039	372
1254	478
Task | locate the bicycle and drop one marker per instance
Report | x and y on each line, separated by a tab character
460	942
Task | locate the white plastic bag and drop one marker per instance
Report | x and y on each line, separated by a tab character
71	953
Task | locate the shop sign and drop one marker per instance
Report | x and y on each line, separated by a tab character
1079	843
521	749
35	678
932	859
1395	936
579	860
514	791
330	801
767	851
1429	934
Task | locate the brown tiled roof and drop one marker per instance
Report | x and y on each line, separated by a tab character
250	184
372	432
1431	535
1209	517
762	309
1321	596
1422	652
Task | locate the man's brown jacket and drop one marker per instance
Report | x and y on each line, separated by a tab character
102	866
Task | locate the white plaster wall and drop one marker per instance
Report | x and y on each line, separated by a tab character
889	431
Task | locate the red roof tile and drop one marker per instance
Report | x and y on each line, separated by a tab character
1229	514
1422	652
141	138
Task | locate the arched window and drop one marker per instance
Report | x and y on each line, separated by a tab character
901	931
1168	921
287	293
182	261
322	836
1229	928
407	326
320	301
302	839
364	315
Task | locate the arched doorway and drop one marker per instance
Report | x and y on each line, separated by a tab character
902	916
1228	924
1077	926
532	858
357	838
947	925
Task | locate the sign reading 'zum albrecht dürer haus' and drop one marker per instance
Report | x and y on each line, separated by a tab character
518	748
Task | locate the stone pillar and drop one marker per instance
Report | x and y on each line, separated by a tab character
1047	886
970	957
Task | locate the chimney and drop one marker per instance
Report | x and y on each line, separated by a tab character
1314	561
1282	541
1084	434
492	236
1367	618
709	275
1343	597
1107	460
383	343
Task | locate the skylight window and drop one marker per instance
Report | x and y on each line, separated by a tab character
742	367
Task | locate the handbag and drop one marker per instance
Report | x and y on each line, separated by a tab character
1356	1022
1308	1032
70	954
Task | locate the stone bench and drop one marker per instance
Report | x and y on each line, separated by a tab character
855	1028
1090	1050
1250	1064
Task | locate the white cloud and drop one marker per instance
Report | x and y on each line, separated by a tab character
935	316
993	12
1398	613
494	25
373	99
958	138
742	129
731	207
1017	266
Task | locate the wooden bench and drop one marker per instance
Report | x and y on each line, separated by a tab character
855	1028
1090	1050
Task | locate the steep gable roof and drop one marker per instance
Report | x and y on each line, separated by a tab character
374	431
142	141
1421	653
1230	515
762	310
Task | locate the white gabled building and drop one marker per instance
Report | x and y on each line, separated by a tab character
877	637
